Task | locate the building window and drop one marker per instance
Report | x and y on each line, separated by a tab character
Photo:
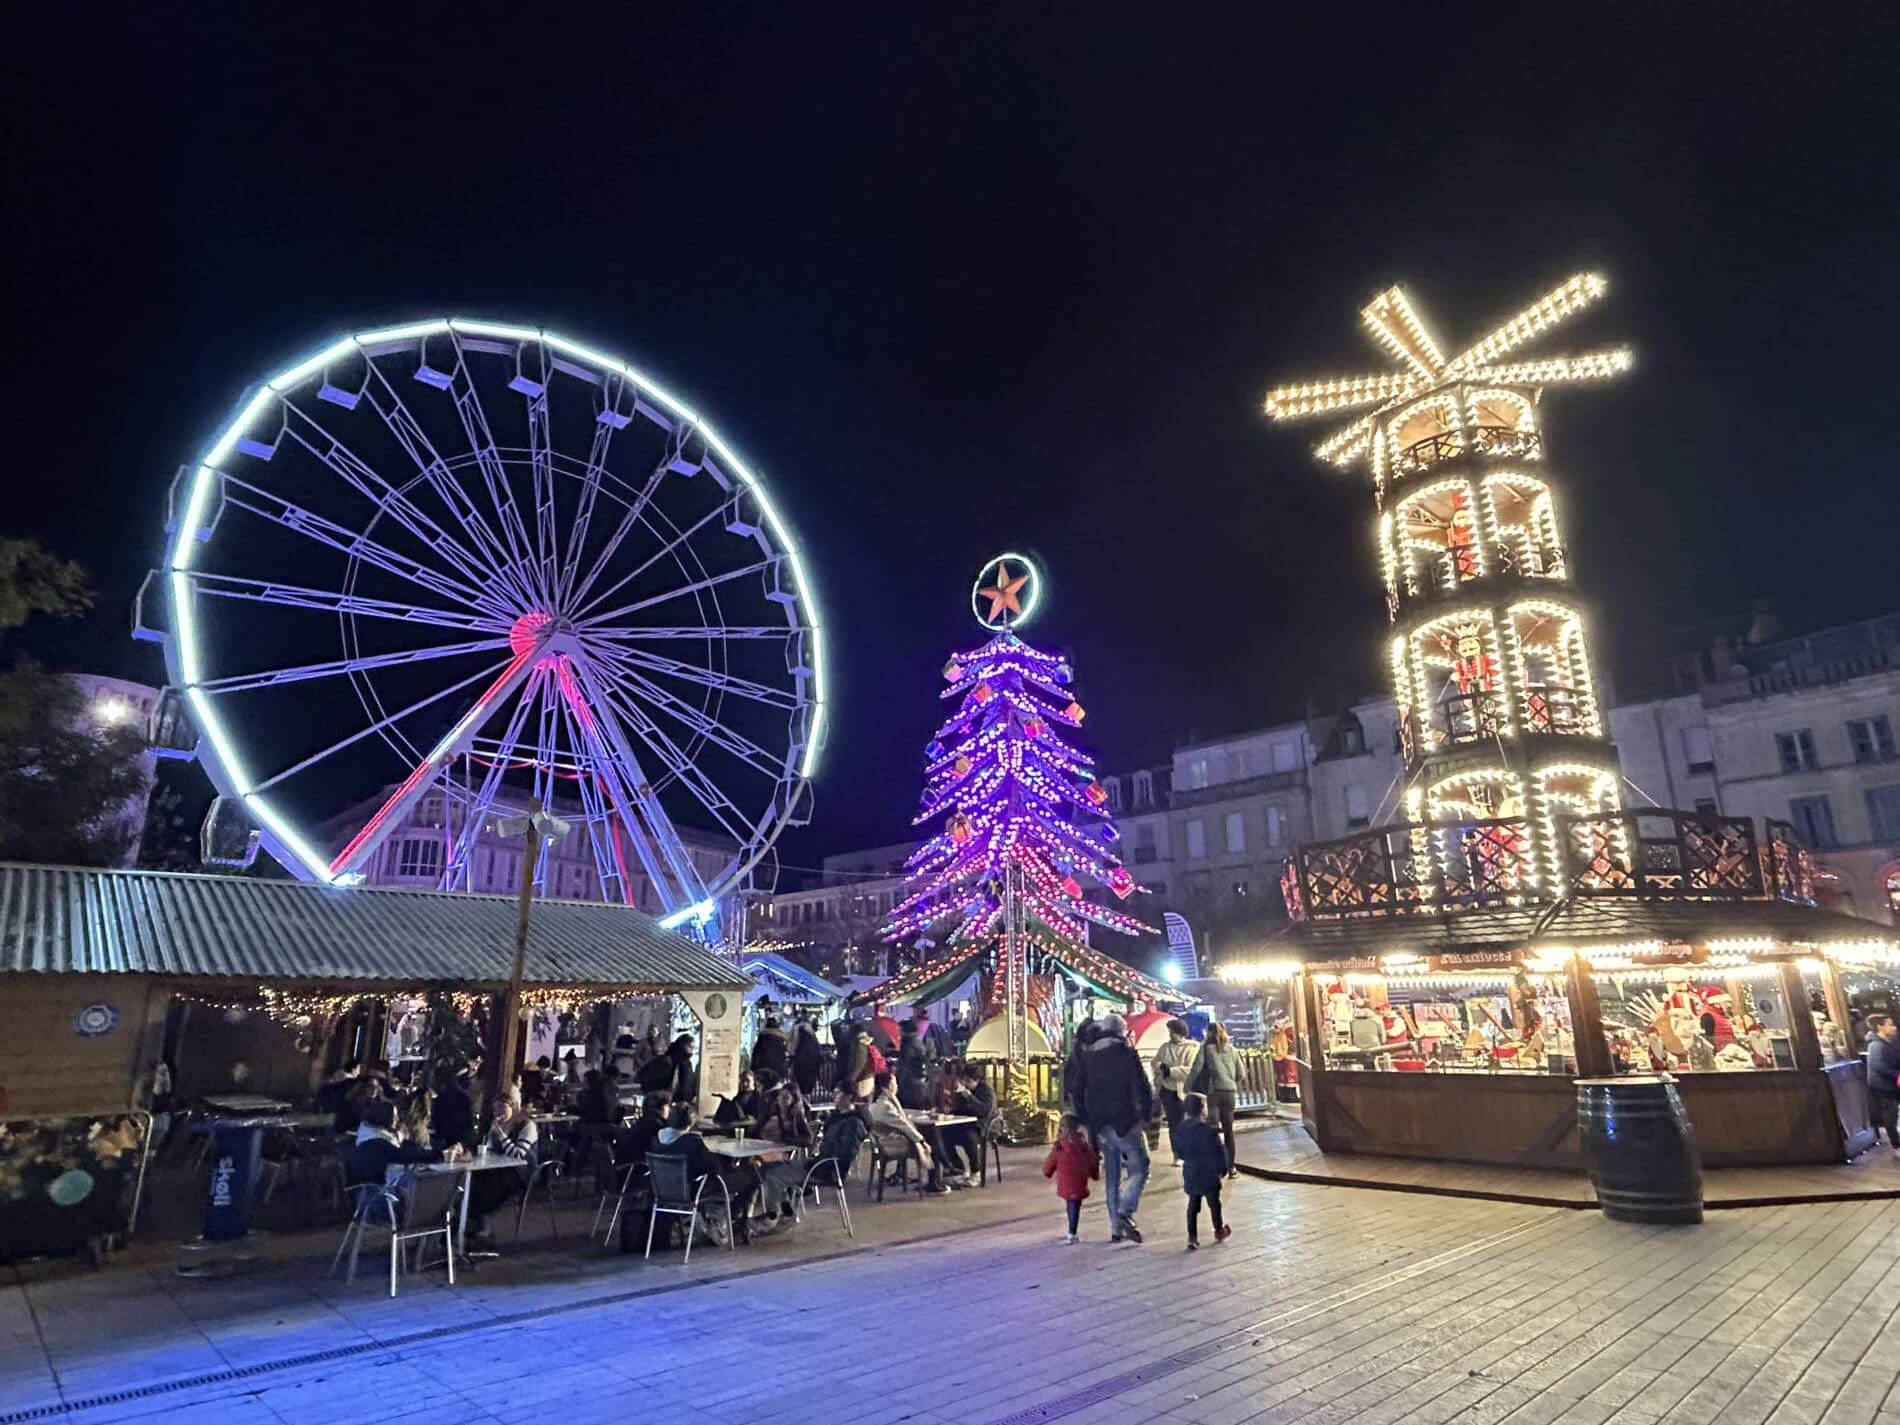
1698	749
1236	833
1356	813
1705	806
1286	756
1883	812
1159	890
1276	827
1113	786
1796	750
1242	765
1144	790
419	856
1194	774
1871	738
1240	890
1814	819
1197	839
1144	844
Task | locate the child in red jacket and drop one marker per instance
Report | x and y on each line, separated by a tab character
1072	1162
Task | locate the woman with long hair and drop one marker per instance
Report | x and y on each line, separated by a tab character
1216	1075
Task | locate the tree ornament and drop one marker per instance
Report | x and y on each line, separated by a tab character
1096	796
1073	712
961	766
1121	883
1110	832
934	750
982	692
1065	675
952	671
1072	888
1032	727
960	829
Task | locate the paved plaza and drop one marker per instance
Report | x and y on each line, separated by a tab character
1328	1307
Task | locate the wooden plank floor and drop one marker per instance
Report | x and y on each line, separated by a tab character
1282	1151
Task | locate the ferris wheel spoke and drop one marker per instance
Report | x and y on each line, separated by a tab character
697	586
408	432
714	731
667	547
648	826
595	816
782	698
591	478
629	517
493	771
274	509
378	726
501	494
296	596
694	632
359	475
390	814
272	677
541	465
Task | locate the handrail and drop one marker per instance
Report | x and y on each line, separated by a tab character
1502	441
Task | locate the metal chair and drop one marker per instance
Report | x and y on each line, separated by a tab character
543	1176
819	1169
677	1195
612	1183
427	1210
888	1149
988	1146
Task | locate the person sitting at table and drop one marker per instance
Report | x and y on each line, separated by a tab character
974	1099
741	1178
632	1142
349	1113
452	1116
599	1106
900	1138
784	1119
944	1091
744	1106
416	1118
513	1136
535	1080
379	1147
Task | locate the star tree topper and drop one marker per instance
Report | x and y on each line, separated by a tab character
1011	585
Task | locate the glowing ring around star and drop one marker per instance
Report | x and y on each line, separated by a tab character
198	500
1032	591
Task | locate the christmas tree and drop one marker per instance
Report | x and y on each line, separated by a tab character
1022	821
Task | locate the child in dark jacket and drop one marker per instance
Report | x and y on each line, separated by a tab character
1072	1162
1203	1165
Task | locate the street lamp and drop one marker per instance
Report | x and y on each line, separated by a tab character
538	830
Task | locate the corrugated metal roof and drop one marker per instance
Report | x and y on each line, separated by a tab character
68	919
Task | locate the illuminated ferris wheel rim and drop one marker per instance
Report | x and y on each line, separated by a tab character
219	752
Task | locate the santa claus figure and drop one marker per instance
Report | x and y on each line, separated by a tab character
1462	538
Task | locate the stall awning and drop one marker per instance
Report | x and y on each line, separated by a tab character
1579	923
72	920
784	979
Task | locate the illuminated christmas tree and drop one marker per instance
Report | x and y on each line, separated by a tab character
1022	821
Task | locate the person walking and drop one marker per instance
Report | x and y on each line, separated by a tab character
1883	1078
912	1066
1203	1163
1217	1077
1174	1061
1072	1161
771	1051
1115	1102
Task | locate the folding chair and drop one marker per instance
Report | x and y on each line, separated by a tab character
428	1211
611	1185
376	1206
677	1195
988	1146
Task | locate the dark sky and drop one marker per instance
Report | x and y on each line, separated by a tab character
962	278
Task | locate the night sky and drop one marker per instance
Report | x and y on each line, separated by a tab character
961	279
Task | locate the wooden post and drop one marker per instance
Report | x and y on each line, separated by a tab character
1586	1021
1801	1036
509	1037
1837	1007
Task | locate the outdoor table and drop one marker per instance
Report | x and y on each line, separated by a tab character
481	1162
246	1104
740	1148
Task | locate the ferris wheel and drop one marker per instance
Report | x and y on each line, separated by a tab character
483	563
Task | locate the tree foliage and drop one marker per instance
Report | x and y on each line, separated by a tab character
35	581
64	780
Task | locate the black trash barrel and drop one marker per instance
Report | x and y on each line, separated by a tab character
1641	1149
